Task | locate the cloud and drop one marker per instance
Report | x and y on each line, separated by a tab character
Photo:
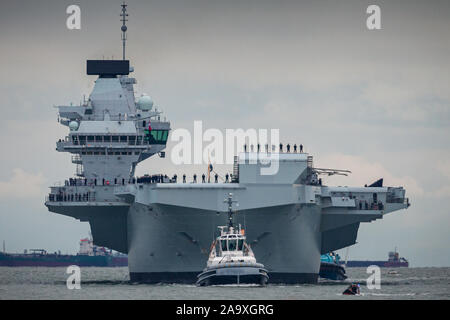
444	168
22	185
442	192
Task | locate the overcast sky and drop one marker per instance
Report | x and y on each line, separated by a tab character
374	102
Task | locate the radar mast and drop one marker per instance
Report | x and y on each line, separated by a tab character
229	200
124	19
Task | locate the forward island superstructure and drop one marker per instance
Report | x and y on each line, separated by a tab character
166	226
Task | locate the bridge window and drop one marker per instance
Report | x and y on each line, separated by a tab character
107	138
115	139
82	140
224	245
90	138
98	139
123	138
232	245
240	244
164	136
158	136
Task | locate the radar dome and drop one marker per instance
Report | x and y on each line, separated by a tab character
145	103
73	125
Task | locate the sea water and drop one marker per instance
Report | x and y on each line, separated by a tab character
113	283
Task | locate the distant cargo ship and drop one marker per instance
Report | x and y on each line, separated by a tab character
394	261
89	255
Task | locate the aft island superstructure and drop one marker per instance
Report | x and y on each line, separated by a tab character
166	226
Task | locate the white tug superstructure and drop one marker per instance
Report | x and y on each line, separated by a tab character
231	260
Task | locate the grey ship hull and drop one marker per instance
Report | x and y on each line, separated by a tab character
167	228
171	244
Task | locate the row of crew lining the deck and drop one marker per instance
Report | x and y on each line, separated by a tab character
288	148
364	205
156	178
93	182
73	197
159	178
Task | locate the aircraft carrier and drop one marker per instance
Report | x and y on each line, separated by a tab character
166	226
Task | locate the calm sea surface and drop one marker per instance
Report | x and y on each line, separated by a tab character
113	283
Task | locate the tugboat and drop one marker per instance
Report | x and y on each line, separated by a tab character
231	260
330	267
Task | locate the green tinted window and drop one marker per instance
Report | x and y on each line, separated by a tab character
164	136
